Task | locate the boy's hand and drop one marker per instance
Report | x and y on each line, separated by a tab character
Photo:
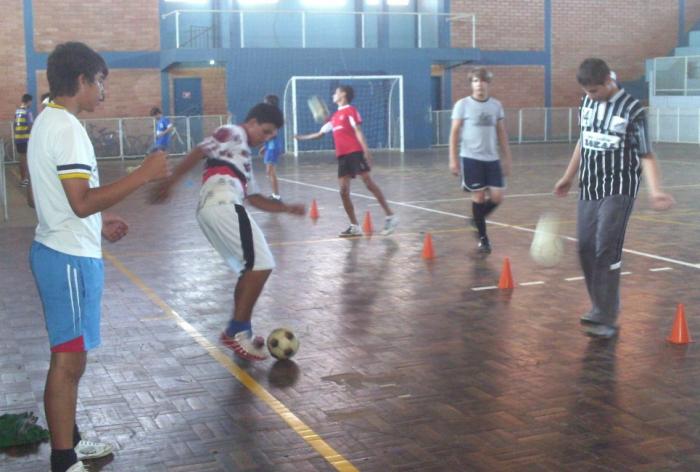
454	168
296	208
113	228
154	166
506	167
160	192
661	201
561	188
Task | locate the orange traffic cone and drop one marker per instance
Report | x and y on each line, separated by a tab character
313	212
506	280
679	332
428	252
367	227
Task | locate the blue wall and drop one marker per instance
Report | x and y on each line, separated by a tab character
253	73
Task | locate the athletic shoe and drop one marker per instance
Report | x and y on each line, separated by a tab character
390	224
77	467
601	331
86	450
245	345
484	246
274	196
353	230
24	183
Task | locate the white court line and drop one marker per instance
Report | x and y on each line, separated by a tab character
538	282
494	223
442	200
488	287
571	279
659	269
625	273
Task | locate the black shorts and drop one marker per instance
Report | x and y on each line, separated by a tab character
478	175
21	148
352	164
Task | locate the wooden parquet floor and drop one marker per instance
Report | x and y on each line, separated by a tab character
403	366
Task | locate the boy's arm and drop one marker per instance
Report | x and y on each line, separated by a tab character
363	142
454	146
561	188
507	157
275	206
86	201
659	200
306	137
162	191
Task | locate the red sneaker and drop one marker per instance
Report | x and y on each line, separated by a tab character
245	345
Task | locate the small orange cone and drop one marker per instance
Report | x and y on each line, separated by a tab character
428	252
367	227
506	280
313	212
679	332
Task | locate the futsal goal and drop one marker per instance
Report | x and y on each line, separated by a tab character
378	98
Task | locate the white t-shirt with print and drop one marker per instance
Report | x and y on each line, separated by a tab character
59	149
228	168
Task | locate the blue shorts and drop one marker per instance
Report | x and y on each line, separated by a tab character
70	289
271	158
479	175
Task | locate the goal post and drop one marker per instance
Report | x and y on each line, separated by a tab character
378	98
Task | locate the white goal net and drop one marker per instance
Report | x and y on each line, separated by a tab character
378	98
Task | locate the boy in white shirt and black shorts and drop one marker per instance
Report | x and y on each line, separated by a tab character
478	124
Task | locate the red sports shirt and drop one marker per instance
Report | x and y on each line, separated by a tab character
343	123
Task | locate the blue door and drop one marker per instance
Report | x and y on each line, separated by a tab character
188	102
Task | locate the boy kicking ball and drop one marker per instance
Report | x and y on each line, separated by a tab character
353	158
227	182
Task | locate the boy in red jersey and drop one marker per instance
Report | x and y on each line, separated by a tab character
353	158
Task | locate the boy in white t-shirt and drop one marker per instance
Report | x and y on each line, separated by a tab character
66	255
478	130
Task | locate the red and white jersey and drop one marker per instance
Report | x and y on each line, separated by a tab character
228	161
343	123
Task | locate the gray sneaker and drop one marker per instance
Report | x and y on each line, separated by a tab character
601	331
390	224
589	318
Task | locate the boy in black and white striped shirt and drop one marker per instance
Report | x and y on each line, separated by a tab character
612	151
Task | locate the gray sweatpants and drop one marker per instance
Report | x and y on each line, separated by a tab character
601	226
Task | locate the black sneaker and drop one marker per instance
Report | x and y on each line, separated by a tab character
352	231
484	246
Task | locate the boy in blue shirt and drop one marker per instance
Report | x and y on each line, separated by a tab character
164	129
271	152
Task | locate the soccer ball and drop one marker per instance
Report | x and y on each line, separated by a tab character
282	343
547	247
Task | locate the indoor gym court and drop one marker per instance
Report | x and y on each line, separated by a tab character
405	364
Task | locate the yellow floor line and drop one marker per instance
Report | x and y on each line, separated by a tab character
306	433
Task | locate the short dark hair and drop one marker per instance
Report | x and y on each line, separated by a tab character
272	100
592	71
349	92
67	63
26	98
155	111
482	73
266	113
